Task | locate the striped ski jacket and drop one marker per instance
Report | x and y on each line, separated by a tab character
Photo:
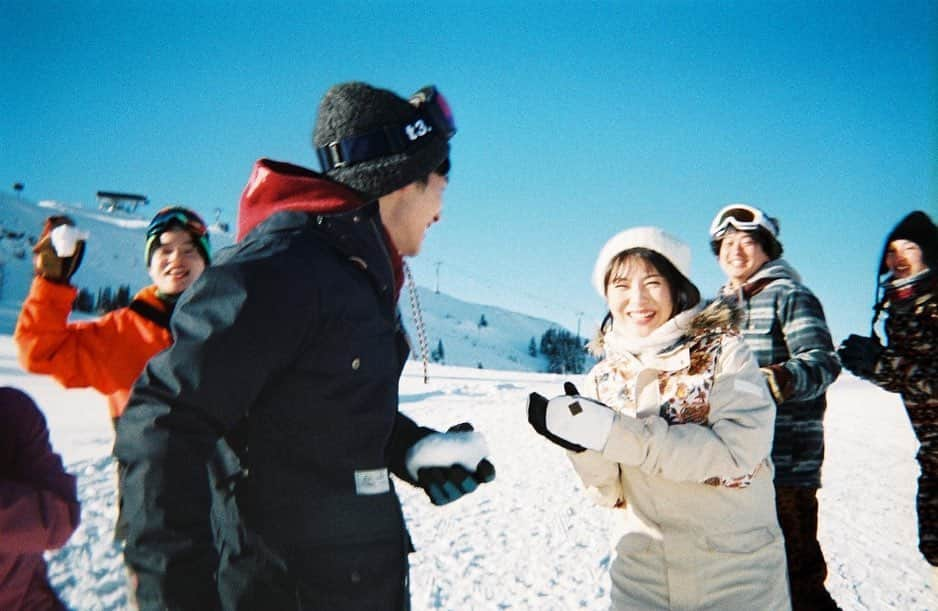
784	325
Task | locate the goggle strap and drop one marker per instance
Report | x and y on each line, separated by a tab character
391	139
189	223
388	140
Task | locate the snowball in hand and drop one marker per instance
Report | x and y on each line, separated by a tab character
464	448
65	238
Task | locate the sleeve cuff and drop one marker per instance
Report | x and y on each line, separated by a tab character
52	292
626	442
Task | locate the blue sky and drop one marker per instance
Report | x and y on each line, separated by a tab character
576	120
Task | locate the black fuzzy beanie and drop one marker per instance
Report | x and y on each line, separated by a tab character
354	109
915	227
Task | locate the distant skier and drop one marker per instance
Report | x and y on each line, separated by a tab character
291	342
908	364
39	508
679	441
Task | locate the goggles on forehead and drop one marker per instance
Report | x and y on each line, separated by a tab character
182	217
741	217
434	116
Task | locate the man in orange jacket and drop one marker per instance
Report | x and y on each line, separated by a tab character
109	353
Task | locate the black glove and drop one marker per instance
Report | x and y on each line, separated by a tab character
47	262
445	484
859	354
585	408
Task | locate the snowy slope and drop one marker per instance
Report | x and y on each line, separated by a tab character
502	343
115	256
531	540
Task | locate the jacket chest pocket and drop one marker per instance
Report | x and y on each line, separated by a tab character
350	352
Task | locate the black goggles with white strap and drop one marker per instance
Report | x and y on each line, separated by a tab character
434	116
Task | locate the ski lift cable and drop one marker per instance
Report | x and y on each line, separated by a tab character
541	302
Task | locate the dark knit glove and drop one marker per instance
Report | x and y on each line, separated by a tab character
859	354
50	264
450	465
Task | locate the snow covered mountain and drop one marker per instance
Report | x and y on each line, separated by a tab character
471	335
114	255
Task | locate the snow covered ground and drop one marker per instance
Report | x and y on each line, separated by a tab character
530	539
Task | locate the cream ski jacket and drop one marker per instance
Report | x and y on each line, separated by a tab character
687	467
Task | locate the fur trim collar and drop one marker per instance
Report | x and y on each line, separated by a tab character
718	316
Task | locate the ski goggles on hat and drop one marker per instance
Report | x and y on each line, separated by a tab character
181	218
434	116
741	217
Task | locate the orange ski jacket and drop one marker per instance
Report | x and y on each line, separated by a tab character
107	354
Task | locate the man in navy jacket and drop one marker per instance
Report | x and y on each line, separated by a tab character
289	349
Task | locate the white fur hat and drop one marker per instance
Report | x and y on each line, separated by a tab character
652	238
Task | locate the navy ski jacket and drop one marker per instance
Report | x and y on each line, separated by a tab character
289	347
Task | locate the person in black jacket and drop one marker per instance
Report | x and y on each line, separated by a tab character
907	364
281	387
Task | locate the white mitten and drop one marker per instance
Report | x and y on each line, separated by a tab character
580	420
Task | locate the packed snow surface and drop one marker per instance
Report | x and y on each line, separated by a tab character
531	539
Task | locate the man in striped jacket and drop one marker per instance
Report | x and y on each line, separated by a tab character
783	323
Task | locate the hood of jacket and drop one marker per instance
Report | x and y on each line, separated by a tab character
276	186
776	269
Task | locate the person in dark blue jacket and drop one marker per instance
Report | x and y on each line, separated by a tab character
287	356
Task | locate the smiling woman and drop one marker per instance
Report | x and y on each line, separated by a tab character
674	434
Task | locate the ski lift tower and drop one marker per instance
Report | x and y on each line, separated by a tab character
128	202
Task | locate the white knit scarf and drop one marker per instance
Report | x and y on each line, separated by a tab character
617	344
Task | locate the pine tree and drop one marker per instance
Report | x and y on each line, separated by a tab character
437	355
563	351
105	301
532	347
122	299
84	302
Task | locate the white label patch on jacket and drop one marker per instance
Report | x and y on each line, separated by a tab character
372	481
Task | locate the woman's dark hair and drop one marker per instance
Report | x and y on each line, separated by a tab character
684	295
